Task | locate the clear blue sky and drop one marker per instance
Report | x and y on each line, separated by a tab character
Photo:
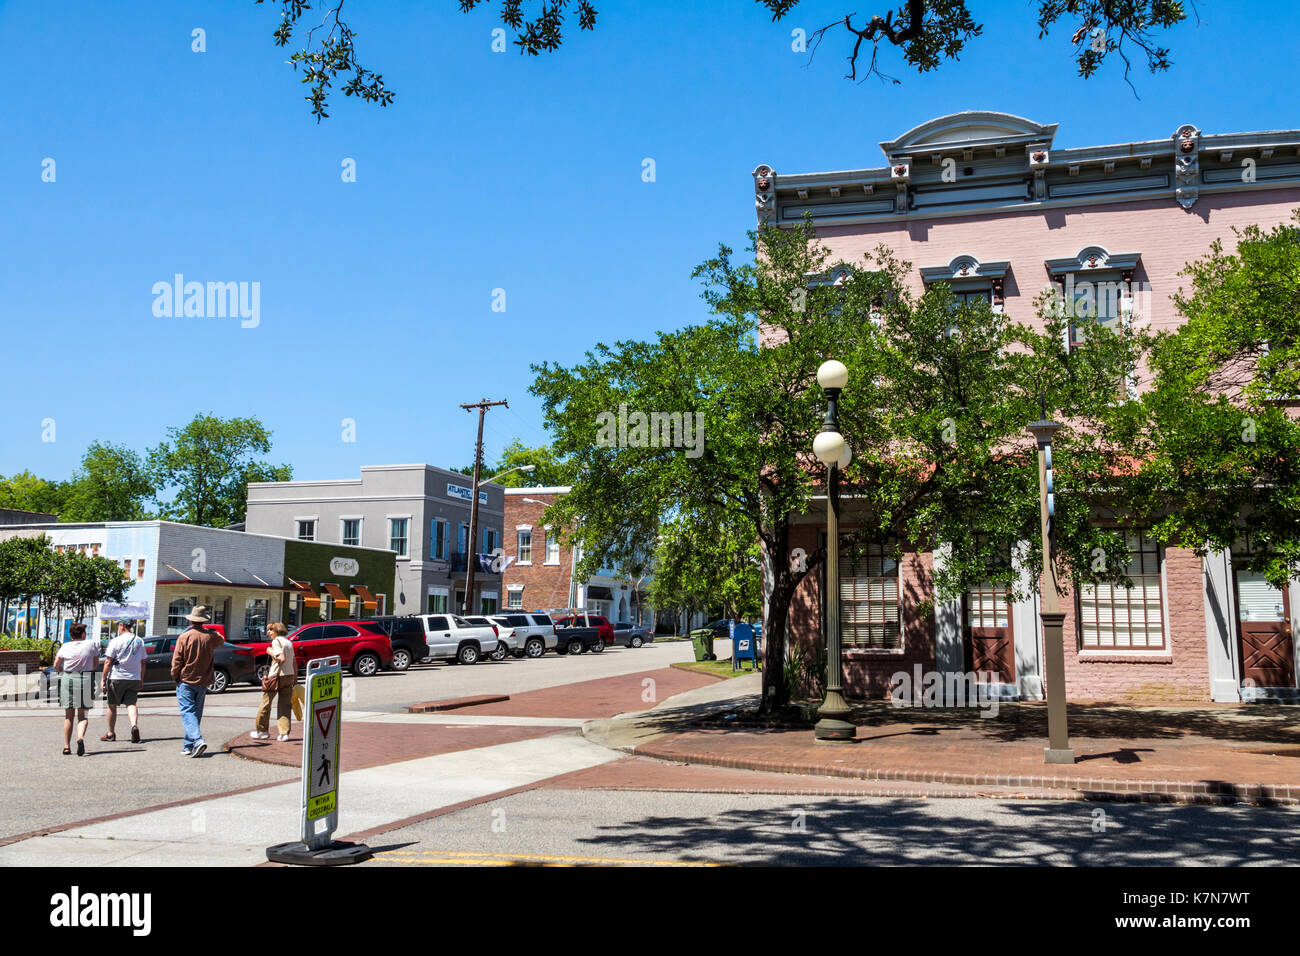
489	171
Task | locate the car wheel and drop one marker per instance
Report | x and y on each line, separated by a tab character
468	654
401	659
574	646
220	681
598	647
535	647
263	669
365	665
635	642
499	654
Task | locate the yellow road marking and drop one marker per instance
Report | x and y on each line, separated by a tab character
505	859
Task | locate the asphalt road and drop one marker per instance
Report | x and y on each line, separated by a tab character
569	826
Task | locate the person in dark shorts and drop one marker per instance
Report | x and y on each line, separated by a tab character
75	662
123	661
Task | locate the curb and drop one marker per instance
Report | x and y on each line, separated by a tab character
1092	788
454	703
692	670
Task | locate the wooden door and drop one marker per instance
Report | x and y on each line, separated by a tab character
990	642
1264	619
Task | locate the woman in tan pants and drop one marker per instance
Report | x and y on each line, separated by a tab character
278	685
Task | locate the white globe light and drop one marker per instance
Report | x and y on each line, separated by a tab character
846	457
829	447
832	374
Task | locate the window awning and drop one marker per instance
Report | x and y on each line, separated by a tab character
367	599
336	593
304	590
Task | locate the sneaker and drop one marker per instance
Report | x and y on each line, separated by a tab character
282	737
199	748
135	735
258	735
187	751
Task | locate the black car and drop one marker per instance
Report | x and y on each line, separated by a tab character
231	664
406	635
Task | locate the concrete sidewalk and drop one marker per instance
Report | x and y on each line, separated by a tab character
1151	754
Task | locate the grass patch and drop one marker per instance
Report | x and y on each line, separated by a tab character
715	668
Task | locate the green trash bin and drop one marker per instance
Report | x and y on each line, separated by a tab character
702	642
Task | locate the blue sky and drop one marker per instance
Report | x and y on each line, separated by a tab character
490	171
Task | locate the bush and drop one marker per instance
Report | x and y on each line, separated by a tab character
46	648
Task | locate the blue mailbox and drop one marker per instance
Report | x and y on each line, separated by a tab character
742	646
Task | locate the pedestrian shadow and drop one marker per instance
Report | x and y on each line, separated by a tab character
898	832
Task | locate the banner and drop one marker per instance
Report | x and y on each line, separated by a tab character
136	611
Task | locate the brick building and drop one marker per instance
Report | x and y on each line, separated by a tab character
541	574
986	202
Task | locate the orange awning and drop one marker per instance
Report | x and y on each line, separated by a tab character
303	590
367	599
336	593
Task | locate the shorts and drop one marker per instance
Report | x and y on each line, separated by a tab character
77	690
122	693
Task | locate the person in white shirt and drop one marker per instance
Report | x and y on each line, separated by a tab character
121	681
277	687
75	663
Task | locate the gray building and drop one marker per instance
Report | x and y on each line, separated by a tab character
420	512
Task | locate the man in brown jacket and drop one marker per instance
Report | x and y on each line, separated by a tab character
192	671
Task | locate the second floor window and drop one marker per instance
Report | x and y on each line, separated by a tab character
352	531
525	547
306	530
397	528
552	546
438	539
489	540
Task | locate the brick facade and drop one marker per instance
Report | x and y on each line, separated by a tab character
544	585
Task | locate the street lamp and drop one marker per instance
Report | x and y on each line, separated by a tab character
1058	736
834	452
473	532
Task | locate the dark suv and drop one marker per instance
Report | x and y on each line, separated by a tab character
407	636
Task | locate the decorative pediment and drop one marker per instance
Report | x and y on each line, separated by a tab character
964	268
970	129
1092	259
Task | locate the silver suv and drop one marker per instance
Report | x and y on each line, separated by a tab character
530	635
452	638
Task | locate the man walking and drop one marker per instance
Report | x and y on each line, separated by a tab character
123	660
192	671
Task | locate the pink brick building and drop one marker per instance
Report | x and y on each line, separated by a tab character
988	203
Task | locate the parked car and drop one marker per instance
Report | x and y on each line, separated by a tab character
231	664
449	637
627	634
506	640
406	634
580	619
533	634
361	646
575	640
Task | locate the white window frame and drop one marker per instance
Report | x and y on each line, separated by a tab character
360	520
519	546
551	539
405	554
315	527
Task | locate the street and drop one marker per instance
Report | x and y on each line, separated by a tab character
517	781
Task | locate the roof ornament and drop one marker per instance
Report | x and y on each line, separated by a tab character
1187	165
765	194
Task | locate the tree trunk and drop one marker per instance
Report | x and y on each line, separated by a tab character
777	593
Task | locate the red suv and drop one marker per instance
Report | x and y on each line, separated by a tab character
362	646
602	626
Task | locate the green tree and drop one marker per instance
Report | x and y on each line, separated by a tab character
78	582
924	32
1221	447
23	562
549	471
111	485
24	491
936	409
208	464
701	565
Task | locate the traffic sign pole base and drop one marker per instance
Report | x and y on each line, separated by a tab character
336	854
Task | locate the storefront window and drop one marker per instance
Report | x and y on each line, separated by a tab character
437	603
869	616
255	619
176	611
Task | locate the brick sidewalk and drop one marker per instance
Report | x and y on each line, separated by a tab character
1194	754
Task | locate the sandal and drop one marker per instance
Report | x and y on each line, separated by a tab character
67	752
109	737
81	748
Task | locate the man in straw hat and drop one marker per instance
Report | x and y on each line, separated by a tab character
192	671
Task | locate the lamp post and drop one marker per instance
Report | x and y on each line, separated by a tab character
473	530
833	451
1058	736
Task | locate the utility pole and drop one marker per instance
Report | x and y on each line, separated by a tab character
472	556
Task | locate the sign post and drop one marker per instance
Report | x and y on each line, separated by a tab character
319	807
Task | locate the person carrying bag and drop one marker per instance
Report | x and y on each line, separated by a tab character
277	685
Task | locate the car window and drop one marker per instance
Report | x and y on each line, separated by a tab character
517	620
336	631
439	624
541	619
622	626
410	626
308	634
479	621
460	621
155	646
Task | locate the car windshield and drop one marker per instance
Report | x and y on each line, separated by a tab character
460	621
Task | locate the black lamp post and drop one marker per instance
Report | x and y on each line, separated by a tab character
833	451
1058	736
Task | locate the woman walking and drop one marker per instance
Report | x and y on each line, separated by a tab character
75	662
277	686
